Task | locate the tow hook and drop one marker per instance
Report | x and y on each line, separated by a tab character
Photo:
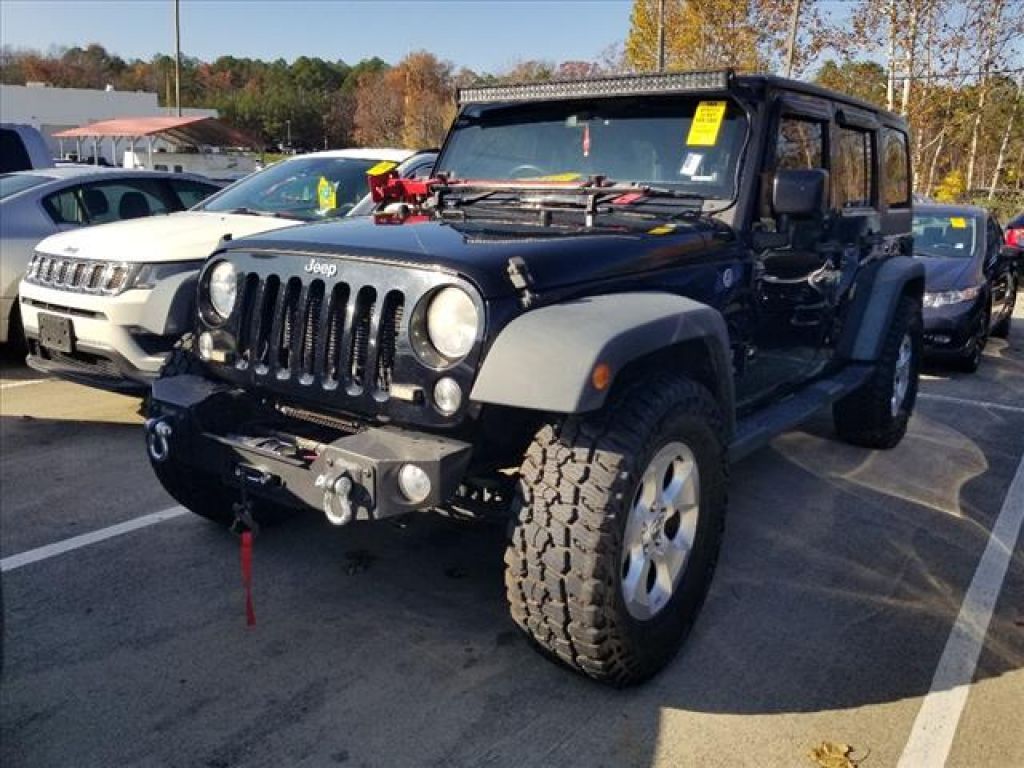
337	497
157	433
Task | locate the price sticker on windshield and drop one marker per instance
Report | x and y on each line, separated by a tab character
958	222
707	121
384	166
326	195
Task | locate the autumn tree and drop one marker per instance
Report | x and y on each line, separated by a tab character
699	34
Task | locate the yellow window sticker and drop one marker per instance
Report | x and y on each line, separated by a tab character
707	120
381	168
958	222
326	194
569	176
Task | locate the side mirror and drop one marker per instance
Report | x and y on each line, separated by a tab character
800	193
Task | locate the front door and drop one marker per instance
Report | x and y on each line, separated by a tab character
793	283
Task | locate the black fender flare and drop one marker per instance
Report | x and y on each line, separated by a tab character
876	294
545	359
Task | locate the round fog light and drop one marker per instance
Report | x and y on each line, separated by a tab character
414	483
447	396
206	345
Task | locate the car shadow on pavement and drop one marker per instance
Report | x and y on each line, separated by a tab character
393	638
388	644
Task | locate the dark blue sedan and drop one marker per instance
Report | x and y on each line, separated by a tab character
970	281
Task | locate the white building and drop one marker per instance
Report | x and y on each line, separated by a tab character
56	109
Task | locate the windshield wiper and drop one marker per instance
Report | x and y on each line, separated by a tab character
267	214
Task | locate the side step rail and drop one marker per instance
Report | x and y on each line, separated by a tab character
756	431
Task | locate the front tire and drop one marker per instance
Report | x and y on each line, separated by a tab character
599	495
202	493
876	415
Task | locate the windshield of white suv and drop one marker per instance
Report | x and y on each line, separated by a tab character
305	188
944	236
685	143
13	183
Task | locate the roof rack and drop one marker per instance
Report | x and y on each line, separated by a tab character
619	85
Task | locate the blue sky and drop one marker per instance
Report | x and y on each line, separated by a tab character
484	35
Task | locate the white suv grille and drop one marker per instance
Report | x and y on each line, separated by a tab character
82	275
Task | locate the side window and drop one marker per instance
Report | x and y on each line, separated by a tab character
191	193
897	176
853	175
65	207
800	144
107	201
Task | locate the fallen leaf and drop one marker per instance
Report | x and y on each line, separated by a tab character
833	755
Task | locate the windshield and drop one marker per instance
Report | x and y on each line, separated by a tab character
944	236
13	183
306	188
644	140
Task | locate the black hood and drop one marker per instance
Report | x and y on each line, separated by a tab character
480	250
950	274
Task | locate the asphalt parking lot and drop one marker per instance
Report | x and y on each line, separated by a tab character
842	576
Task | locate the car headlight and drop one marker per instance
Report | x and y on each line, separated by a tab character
945	298
148	275
222	287
452	322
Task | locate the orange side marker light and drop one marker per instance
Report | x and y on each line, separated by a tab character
601	377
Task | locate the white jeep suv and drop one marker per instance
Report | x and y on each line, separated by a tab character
104	306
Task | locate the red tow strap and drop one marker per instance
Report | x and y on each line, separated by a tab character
250	614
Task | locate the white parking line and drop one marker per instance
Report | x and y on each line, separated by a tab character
13	384
77	542
965	401
932	735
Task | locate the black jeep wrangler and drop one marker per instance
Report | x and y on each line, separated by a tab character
609	290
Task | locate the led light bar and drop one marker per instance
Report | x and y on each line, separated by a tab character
623	85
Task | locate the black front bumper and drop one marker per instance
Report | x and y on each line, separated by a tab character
950	329
216	430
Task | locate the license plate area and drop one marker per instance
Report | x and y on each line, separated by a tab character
56	333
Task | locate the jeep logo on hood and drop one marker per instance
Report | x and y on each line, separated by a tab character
315	267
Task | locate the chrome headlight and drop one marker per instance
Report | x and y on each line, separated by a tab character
452	322
945	298
222	286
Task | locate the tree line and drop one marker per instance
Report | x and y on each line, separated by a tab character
953	68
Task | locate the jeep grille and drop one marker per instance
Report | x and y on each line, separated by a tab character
336	335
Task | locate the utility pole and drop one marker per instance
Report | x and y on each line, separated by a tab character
794	26
177	55
661	35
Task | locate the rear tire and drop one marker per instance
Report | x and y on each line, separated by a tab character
876	414
570	559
